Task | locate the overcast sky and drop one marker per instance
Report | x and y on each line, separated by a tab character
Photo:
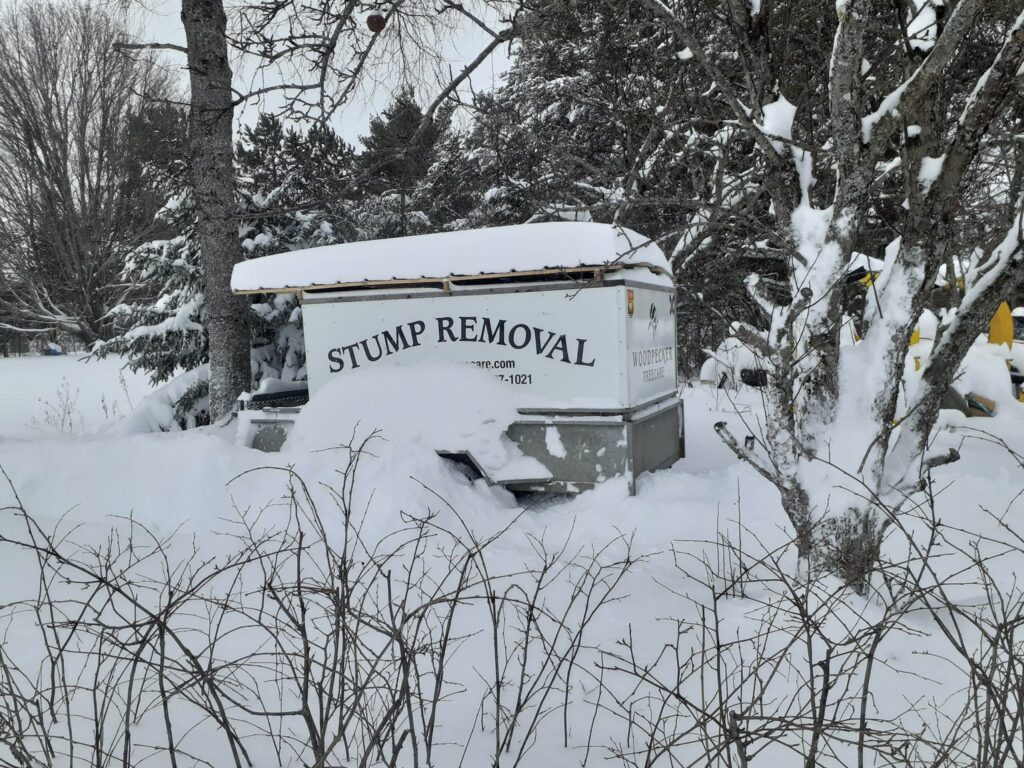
160	21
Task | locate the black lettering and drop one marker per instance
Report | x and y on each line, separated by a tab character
512	336
336	359
580	344
444	326
540	347
391	342
366	348
416	327
468	325
492	334
561	344
351	349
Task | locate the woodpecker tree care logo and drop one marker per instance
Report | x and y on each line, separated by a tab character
468	329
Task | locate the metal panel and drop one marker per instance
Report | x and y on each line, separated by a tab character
269	437
656	441
592	451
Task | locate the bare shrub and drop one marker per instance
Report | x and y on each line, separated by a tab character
779	664
309	638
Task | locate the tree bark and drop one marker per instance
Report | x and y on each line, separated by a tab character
210	154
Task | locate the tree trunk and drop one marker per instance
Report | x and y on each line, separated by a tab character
210	154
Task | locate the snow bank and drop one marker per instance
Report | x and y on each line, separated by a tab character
156	412
448	408
680	524
523	248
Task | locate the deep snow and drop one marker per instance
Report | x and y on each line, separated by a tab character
44	396
196	485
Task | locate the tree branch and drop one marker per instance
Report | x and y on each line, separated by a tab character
428	115
150	47
746	455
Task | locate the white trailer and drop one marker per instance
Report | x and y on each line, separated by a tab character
580	318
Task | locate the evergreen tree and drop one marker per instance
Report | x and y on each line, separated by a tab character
290	195
396	157
583	107
597	121
397	154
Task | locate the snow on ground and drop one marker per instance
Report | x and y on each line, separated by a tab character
199	485
67	394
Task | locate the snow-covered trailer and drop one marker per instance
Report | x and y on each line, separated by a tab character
578	317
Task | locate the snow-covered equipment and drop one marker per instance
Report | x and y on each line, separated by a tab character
578	318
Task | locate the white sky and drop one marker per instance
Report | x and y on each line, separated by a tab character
160	21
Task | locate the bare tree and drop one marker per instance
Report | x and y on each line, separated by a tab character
899	95
73	199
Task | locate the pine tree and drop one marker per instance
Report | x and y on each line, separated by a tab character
597	121
391	159
292	195
289	196
396	157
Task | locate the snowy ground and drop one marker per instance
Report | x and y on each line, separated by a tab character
44	396
194	486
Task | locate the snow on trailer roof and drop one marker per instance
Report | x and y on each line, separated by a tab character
520	250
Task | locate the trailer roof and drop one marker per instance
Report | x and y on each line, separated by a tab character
524	250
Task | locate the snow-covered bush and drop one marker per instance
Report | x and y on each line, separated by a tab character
181	403
279	172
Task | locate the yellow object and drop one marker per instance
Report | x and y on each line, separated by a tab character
1000	330
915	338
868	279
